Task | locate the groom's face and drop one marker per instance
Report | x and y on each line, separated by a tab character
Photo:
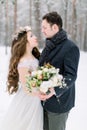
48	30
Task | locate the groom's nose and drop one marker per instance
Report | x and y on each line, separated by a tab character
43	31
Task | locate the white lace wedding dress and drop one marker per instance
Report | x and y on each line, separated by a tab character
25	112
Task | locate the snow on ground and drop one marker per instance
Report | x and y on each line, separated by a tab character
78	116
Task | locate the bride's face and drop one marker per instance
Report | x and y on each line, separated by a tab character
32	40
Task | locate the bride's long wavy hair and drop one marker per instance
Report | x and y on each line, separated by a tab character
18	49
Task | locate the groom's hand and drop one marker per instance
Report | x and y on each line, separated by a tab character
44	97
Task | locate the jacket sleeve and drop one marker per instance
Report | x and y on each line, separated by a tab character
71	61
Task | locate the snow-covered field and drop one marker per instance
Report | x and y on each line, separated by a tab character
78	116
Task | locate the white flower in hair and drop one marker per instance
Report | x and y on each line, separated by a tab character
27	28
21	30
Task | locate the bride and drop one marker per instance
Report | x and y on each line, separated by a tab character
25	111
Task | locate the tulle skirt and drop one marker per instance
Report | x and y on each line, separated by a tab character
24	113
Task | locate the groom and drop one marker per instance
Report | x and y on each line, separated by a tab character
62	53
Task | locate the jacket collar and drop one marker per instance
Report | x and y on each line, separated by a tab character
56	39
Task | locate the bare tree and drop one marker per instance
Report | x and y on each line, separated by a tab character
37	19
1	2
6	25
65	2
74	20
85	34
15	14
30	12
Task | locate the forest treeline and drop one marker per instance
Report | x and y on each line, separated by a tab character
15	13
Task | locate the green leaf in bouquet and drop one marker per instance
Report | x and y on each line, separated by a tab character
45	76
39	82
28	86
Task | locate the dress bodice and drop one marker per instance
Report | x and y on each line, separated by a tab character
31	64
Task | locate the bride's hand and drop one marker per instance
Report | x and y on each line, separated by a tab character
44	97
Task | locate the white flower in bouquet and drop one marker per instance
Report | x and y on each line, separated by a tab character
54	80
39	72
45	69
45	85
34	73
39	75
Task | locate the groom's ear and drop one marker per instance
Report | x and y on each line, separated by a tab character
55	27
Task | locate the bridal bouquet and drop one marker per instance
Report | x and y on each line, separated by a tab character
43	78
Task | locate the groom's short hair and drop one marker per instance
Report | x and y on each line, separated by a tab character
53	18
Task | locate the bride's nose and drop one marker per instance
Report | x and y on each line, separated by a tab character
35	37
